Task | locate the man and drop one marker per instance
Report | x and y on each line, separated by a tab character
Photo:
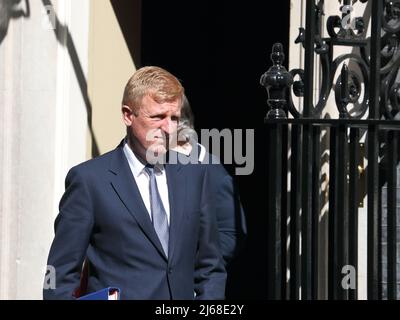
223	198
143	227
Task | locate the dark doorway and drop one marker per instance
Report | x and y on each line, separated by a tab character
128	14
219	49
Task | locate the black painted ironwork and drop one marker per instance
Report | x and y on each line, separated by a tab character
295	204
355	171
392	152
320	247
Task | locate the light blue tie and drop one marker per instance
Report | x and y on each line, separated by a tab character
159	216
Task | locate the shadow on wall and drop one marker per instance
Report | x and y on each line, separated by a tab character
64	37
129	16
11	9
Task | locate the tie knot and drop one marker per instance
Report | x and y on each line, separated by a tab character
149	168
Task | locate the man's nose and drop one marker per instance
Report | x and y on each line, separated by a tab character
167	126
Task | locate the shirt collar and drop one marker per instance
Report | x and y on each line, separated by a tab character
185	149
135	164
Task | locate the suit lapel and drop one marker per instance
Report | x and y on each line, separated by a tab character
125	186
176	194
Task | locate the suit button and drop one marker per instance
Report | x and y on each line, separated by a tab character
170	270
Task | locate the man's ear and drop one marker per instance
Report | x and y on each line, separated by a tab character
127	114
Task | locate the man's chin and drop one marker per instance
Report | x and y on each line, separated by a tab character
155	154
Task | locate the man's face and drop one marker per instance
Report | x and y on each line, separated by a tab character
150	129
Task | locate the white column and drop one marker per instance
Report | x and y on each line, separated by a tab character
42	133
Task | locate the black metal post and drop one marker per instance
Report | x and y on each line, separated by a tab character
306	200
309	58
276	81
373	153
353	205
342	211
284	206
333	276
392	156
306	215
274	277
295	203
316	176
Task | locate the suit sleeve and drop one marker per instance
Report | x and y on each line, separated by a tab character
225	204
230	218
210	274
73	227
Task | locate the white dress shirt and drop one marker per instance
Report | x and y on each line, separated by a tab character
186	149
143	181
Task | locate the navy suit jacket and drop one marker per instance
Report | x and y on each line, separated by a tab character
227	208
223	202
103	218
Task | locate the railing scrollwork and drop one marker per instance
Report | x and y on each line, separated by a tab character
346	30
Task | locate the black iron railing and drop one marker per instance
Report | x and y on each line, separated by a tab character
368	103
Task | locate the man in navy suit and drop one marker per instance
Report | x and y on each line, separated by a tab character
140	224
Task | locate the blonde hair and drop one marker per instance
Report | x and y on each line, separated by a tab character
156	82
